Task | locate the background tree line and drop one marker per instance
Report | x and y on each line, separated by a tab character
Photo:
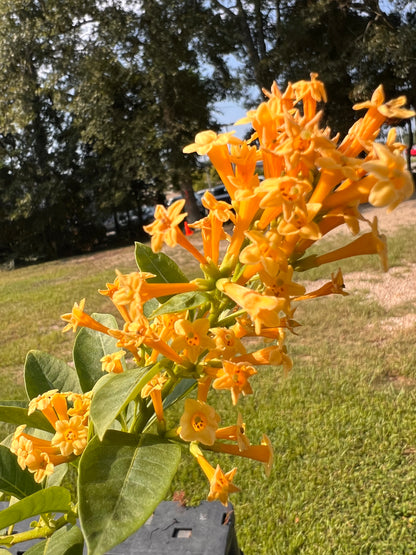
98	97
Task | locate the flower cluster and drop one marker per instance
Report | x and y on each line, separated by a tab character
39	455
202	331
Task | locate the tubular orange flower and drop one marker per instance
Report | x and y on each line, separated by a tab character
81	405
198	422
368	243
219	213
235	433
111	363
264	251
300	223
394	183
192	338
310	92
165	229
39	456
216	148
377	113
220	484
262	453
52	404
234	376
273	355
333	287
154	390
227	344
80	318
262	309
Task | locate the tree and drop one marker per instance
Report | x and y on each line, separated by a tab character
96	110
353	45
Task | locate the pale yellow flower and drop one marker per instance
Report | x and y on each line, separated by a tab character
199	422
262	309
394	183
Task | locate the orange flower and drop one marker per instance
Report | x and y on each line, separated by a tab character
198	422
40	456
216	148
262	309
220	484
310	92
153	389
80	318
71	436
368	243
165	229
394	183
235	433
333	287
227	344
192	338
262	453
112	363
234	376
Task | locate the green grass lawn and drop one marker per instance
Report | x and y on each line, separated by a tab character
342	422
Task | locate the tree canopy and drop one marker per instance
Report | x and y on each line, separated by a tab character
98	98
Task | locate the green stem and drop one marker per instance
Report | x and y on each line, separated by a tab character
228	320
38	532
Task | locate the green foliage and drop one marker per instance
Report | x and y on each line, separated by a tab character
121	482
89	348
165	269
68	540
44	372
55	499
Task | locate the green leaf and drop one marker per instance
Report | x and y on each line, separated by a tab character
13	480
59	473
90	346
44	372
15	412
121	482
150	306
182	302
68	540
159	264
44	501
114	392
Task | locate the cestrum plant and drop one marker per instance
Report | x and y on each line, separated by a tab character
110	418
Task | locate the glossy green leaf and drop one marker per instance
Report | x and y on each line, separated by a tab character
114	392
13	480
44	372
90	346
15	412
68	540
182	302
121	482
159	264
55	499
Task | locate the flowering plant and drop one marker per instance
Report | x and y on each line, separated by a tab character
110	417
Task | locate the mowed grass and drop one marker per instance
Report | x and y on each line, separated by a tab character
341	423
